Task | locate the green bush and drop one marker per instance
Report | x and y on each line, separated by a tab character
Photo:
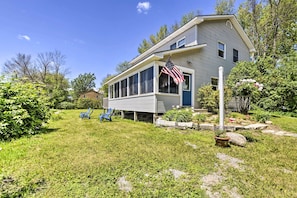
199	118
178	115
66	105
24	108
261	116
84	103
209	98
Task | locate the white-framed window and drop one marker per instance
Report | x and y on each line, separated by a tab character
222	50
124	88
235	55
178	44
147	81
116	89
181	43
166	83
214	83
111	91
133	85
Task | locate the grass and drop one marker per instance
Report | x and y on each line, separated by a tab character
86	158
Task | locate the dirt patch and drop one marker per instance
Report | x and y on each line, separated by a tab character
213	179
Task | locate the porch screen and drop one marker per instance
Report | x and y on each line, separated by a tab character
166	83
133	85
146	80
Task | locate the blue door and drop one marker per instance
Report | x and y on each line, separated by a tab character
187	90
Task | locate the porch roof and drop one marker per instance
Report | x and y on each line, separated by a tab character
156	57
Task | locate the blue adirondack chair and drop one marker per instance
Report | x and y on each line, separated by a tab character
107	115
86	114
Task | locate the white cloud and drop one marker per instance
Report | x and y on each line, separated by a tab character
143	7
24	37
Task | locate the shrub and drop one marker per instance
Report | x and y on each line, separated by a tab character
199	118
178	115
209	98
261	116
24	108
66	105
84	103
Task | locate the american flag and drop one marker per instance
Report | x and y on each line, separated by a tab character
172	70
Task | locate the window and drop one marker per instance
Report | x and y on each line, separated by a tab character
117	90
214	83
124	88
181	43
186	83
221	49
133	85
146	80
111	91
173	46
166	83
235	55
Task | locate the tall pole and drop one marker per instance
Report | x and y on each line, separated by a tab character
221	94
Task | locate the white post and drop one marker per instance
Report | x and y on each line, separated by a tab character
221	94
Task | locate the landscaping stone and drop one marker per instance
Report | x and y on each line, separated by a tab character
185	124
165	123
207	127
236	139
257	126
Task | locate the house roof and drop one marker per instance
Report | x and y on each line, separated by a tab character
155	57
152	55
195	21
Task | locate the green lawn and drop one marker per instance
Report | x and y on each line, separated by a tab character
86	158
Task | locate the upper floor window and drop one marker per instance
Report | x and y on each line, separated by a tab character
221	50
146	80
235	55
124	88
166	83
133	85
179	44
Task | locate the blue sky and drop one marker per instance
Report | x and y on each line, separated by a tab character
94	35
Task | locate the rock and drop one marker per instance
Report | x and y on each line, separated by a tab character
185	124
257	126
165	123
236	139
268	122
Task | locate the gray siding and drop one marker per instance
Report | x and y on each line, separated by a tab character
189	35
141	103
166	101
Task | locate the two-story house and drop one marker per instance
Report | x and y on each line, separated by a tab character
198	49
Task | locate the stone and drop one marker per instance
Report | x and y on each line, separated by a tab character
185	124
165	123
257	126
236	139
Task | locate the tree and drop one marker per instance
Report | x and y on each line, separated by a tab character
46	69
224	7
24	108
271	26
164	32
83	83
104	87
21	67
123	66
